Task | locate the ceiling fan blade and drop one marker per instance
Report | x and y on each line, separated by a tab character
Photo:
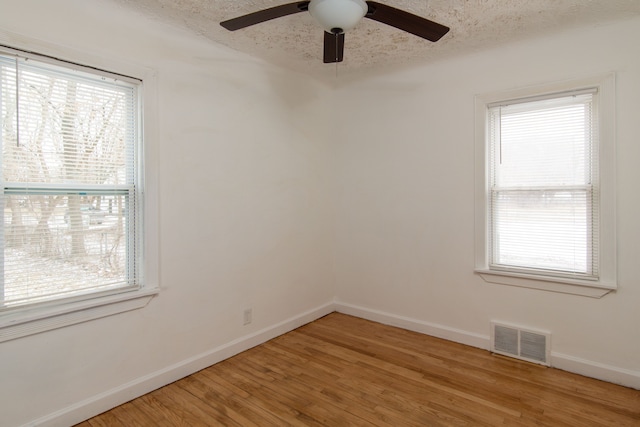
333	47
265	15
406	21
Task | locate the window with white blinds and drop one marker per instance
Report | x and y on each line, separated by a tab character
70	224
543	202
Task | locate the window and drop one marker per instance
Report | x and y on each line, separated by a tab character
71	227
543	210
542	191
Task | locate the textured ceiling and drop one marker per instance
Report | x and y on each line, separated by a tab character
295	41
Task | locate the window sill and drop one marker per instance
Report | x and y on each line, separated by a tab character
544	283
43	319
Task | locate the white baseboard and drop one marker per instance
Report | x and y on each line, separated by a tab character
600	371
111	398
432	329
576	365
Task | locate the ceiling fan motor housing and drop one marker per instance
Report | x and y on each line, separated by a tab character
338	16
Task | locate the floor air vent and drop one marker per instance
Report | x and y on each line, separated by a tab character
525	344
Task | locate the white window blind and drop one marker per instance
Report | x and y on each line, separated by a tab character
543	208
70	217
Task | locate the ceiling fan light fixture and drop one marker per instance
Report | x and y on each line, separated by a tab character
337	16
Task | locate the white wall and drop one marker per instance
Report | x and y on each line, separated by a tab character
405	235
245	213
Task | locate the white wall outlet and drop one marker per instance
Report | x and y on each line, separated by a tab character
248	316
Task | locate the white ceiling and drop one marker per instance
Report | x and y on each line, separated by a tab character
295	41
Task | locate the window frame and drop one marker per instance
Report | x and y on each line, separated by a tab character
39	317
605	115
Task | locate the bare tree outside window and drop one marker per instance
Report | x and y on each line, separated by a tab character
68	172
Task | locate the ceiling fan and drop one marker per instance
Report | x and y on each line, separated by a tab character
338	16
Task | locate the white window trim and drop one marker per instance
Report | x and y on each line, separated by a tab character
54	315
607	281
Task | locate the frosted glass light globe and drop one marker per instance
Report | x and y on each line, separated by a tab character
338	14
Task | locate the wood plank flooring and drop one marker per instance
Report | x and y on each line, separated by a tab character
341	370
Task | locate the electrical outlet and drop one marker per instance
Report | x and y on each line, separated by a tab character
248	316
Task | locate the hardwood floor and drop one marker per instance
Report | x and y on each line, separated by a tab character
342	370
